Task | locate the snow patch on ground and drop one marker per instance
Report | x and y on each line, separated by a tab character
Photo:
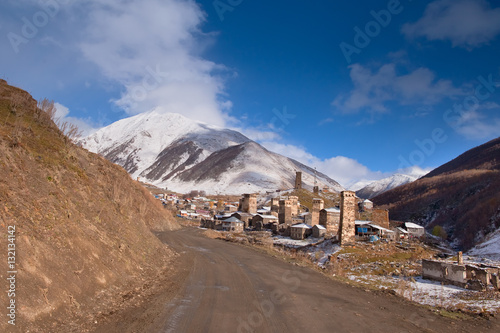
432	293
490	248
321	253
294	243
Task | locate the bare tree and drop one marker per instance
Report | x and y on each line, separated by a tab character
69	130
48	107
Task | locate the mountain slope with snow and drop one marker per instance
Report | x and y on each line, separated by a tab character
489	248
380	186
460	196
169	150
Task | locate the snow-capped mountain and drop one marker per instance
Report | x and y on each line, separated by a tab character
383	185
170	150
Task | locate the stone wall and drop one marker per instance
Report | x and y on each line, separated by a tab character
380	217
329	220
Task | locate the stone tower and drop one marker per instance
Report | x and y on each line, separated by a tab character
249	203
298	180
317	205
295	205
275	204
347	217
285	212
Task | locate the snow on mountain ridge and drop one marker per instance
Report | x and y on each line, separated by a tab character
169	150
151	132
383	185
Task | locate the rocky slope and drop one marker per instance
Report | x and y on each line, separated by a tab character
169	150
82	226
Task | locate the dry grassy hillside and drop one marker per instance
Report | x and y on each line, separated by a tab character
466	203
306	198
83	239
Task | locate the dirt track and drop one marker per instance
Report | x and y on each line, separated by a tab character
224	287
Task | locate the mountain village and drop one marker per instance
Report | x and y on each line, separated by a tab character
284	217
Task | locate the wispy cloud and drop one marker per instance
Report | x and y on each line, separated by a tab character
466	23
153	48
475	125
342	169
86	125
372	90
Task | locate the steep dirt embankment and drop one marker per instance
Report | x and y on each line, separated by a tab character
83	240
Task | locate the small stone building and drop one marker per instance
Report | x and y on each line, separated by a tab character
330	219
414	230
263	220
365	205
401	233
300	231
318	231
244	217
471	276
230	208
232	224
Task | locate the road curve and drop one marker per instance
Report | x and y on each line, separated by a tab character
232	288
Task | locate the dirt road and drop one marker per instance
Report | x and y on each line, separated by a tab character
224	287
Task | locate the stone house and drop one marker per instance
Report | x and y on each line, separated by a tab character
368	228
300	231
414	230
265	219
232	224
365	205
318	231
230	208
401	233
470	276
244	217
330	219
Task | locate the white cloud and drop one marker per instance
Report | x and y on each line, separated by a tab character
61	111
345	170
415	171
257	134
342	169
372	90
477	126
152	48
466	23
86	126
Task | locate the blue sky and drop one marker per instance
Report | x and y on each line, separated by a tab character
359	90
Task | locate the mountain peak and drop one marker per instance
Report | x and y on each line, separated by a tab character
170	150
